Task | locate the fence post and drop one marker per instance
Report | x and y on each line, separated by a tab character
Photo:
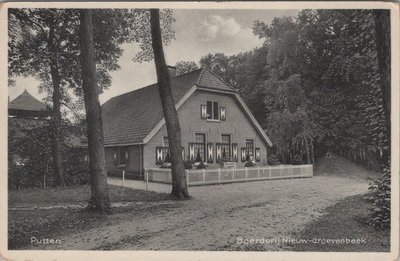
147	181
291	172
258	172
123	177
245	171
204	175
187	177
219	175
233	173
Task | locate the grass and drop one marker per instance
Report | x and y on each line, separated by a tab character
48	223
77	195
345	219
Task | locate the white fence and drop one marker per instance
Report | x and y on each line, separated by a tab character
228	175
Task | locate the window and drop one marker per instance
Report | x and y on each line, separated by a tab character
250	148
212	110
226	145
166	141
121	156
200	146
226	138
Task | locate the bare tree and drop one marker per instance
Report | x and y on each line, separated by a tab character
98	174
179	185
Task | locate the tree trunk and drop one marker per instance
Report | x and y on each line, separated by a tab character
179	186
56	147
382	31
98	174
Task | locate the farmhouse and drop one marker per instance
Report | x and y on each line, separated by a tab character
216	125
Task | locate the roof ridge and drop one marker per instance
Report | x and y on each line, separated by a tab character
187	72
123	94
219	78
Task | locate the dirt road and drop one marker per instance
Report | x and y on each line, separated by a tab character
218	216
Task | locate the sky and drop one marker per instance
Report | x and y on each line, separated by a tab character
197	33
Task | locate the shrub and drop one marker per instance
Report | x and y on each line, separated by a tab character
165	165
188	164
34	147
297	160
380	196
76	168
32	150
23	177
273	160
249	164
201	165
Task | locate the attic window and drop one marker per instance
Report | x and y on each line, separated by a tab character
212	110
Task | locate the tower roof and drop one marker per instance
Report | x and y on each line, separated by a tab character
26	102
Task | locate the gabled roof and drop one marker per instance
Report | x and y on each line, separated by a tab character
128	118
131	117
26	102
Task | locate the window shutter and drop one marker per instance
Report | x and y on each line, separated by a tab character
222	113
218	153
159	155
258	155
115	160
191	152
243	154
210	153
126	155
203	111
234	152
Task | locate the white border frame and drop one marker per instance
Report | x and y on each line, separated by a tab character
205	255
